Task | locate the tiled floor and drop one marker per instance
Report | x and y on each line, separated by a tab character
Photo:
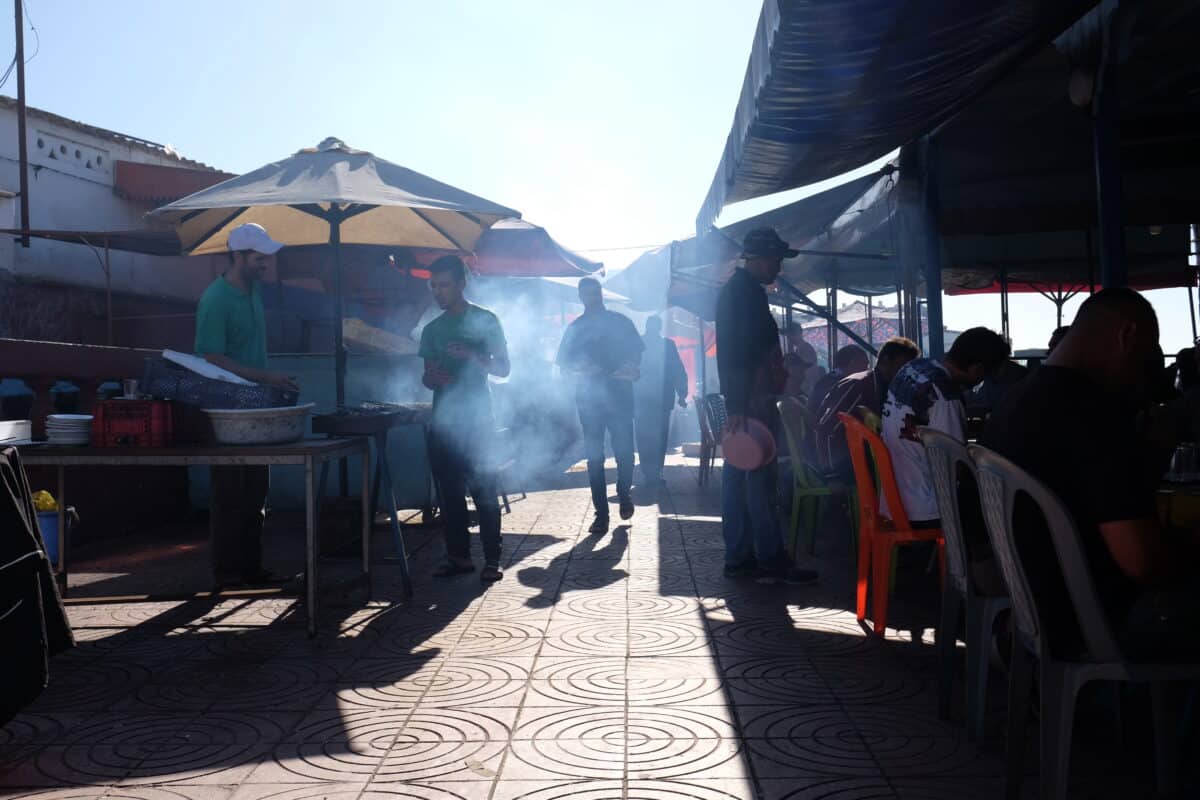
615	666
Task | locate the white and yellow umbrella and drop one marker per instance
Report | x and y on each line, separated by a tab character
333	194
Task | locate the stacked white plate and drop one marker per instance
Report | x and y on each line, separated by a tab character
69	429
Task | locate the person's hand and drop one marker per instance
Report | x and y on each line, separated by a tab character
438	376
281	380
735	423
683	402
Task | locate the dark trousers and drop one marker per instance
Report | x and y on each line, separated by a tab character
653	426
237	509
458	467
615	418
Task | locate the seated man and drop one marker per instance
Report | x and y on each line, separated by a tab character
929	393
1072	425
850	360
866	390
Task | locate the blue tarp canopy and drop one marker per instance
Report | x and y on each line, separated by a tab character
833	86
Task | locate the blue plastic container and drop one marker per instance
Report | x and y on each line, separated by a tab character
48	523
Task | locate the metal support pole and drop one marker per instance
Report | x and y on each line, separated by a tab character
920	243
1114	271
108	292
830	331
1004	303
22	143
870	321
1192	280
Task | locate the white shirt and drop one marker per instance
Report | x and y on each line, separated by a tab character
921	395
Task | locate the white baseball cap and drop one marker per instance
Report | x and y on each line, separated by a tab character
252	236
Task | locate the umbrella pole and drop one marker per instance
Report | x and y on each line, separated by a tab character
339	347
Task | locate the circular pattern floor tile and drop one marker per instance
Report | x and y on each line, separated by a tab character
92	685
844	755
452	683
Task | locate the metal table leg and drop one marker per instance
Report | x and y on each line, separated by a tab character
397	536
62	528
368	520
310	524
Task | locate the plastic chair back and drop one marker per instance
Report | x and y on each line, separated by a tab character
862	442
791	414
795	428
945	455
714	406
1001	482
706	434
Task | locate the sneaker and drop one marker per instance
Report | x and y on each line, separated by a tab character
491	573
626	507
599	525
737	571
793	576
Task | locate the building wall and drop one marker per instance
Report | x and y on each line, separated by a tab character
71	188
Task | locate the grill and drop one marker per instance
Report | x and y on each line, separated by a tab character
370	419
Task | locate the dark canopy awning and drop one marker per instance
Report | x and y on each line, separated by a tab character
148	241
833	86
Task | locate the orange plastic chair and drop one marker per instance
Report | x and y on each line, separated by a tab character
878	535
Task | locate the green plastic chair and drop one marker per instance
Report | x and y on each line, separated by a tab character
808	486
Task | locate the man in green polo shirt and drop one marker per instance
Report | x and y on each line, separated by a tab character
461	348
232	334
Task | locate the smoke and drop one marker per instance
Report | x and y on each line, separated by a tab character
532	405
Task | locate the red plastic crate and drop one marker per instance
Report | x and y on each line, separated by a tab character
133	423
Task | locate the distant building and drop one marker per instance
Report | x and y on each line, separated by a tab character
85	178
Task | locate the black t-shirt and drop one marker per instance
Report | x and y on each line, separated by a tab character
1063	429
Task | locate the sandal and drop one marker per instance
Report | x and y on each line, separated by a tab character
491	573
452	568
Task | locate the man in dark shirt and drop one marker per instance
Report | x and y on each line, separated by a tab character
1071	424
867	389
750	366
602	351
663	380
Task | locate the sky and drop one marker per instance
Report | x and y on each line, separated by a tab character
602	122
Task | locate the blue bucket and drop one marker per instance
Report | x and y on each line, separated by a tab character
48	523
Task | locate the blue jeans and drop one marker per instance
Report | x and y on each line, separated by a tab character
749	517
614	416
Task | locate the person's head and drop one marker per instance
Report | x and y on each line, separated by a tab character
1115	340
851	359
447	281
803	351
975	354
251	251
763	252
591	294
653	327
794	333
895	353
1056	337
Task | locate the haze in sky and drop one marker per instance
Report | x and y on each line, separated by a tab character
602	122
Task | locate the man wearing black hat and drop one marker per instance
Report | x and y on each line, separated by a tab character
750	366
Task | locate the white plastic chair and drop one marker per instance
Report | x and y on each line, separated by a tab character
948	458
1000	483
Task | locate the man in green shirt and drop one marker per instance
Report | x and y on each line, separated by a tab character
232	334
461	348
